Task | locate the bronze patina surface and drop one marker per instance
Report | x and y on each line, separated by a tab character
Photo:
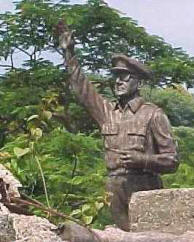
137	135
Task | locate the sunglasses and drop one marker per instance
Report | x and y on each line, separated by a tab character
124	76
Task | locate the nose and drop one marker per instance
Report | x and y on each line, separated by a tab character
118	80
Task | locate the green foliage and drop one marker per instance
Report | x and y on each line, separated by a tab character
65	158
172	70
176	102
100	31
184	176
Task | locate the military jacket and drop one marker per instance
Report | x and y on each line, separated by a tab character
140	126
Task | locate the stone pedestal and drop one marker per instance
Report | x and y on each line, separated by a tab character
165	210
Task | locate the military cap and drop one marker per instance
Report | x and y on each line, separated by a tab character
123	63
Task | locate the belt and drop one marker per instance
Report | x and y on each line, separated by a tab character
124	171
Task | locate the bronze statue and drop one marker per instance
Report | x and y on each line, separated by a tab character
137	136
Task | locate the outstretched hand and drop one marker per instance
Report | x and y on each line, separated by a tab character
65	35
66	40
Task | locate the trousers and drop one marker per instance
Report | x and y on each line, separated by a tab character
120	189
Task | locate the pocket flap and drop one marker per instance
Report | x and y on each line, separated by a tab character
139	132
110	128
136	128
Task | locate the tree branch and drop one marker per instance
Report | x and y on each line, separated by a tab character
11	57
9	66
34	52
57	50
24	51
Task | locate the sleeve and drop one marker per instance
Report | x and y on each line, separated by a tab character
166	159
97	106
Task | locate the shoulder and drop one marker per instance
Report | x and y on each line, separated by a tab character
151	105
158	117
152	108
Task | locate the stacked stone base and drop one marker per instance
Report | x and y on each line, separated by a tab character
166	210
155	216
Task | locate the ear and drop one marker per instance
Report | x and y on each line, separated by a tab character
140	84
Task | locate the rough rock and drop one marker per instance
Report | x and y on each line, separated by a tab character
75	233
165	210
12	183
7	232
20	228
116	235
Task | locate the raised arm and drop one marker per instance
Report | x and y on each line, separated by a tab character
97	106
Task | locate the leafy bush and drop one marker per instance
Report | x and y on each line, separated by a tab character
176	102
183	178
72	166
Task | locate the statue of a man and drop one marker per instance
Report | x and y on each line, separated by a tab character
137	136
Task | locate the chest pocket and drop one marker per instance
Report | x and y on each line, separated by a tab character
136	135
110	132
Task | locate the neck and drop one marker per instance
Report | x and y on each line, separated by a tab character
123	100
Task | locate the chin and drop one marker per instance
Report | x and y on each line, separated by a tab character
120	93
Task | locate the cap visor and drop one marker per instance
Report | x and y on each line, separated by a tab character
119	69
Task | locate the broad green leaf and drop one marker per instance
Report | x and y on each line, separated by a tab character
37	133
87	219
19	152
47	114
77	180
85	207
175	185
14	164
76	212
44	123
33	117
69	21
99	205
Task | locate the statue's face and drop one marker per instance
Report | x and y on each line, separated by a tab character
126	84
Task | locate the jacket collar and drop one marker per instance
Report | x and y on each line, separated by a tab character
133	104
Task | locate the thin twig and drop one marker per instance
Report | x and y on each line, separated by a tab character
43	180
51	211
75	166
56	49
72	176
24	51
30	199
